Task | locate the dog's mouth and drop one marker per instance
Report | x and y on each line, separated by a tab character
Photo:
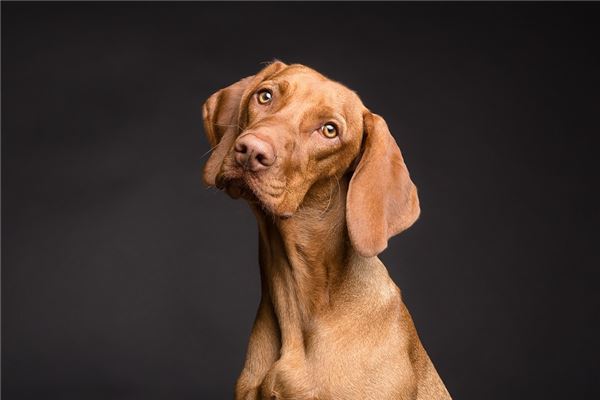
237	188
251	189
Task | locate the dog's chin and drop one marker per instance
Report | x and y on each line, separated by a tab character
238	188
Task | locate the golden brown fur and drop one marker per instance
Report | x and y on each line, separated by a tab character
331	324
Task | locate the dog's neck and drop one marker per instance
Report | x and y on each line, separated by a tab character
302	258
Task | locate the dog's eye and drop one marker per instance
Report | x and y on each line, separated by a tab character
329	130
264	96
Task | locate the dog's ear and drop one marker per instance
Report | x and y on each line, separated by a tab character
221	114
382	200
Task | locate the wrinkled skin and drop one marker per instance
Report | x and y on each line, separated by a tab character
331	324
304	155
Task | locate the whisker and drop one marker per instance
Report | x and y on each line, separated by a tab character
209	151
328	201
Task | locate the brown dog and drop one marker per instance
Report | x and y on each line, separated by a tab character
329	187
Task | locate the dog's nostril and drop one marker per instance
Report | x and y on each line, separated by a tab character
241	148
253	153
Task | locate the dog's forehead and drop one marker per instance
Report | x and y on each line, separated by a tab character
305	83
306	79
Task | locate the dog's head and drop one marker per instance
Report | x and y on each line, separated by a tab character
279	133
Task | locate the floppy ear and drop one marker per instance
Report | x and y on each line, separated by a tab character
382	200
221	114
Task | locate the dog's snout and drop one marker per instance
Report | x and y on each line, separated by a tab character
253	153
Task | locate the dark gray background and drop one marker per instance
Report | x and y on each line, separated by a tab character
124	278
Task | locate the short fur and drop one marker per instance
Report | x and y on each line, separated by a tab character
331	323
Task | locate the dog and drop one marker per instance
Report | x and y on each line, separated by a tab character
328	186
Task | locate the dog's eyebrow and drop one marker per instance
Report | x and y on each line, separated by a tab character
324	112
281	85
328	114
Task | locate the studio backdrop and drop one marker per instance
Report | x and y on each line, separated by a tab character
123	277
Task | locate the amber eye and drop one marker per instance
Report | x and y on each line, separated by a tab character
264	96
329	130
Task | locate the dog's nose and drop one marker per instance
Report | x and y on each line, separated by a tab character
253	153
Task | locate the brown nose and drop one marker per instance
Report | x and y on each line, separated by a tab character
254	154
